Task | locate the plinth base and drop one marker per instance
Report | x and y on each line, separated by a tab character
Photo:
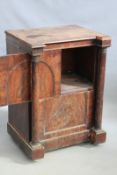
97	136
36	151
32	151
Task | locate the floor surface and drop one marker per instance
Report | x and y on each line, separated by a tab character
81	159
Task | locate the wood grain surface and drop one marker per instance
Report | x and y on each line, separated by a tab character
42	36
14	79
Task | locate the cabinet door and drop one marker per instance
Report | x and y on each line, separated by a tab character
64	114
14	79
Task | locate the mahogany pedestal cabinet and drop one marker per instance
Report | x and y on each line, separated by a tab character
53	81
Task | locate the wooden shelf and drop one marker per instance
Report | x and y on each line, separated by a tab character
74	83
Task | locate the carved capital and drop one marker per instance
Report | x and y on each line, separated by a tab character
103	41
36	58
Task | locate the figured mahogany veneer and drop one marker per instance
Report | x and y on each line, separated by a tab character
53	81
15	79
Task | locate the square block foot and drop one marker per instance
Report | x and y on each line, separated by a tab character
97	136
32	151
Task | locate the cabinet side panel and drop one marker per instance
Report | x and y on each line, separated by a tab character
19	114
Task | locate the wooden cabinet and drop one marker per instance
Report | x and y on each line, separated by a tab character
53	81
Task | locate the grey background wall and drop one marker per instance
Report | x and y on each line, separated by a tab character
100	15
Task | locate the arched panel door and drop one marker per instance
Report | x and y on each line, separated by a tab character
45	80
15	80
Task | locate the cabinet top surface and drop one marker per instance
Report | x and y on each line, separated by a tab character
42	36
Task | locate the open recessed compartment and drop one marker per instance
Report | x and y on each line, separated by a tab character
77	69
